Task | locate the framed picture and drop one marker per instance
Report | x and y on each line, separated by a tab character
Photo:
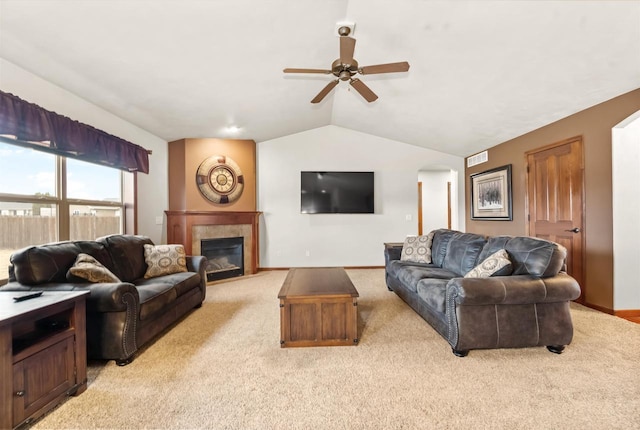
491	194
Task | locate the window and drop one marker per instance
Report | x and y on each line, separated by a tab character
46	198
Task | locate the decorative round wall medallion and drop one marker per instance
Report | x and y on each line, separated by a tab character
220	180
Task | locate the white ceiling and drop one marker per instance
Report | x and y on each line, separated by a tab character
482	72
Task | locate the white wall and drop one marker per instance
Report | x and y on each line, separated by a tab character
434	199
334	239
626	207
153	196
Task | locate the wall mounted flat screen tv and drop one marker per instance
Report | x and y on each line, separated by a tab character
336	193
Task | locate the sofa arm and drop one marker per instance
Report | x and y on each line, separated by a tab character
198	264
512	290
113	297
392	251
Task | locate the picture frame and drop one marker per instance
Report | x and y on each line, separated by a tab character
491	195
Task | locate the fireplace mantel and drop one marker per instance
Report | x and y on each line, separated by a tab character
180	228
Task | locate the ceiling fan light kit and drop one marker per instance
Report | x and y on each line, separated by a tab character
345	67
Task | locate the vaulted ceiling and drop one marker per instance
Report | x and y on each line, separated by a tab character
482	72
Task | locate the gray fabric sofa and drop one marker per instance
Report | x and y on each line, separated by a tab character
529	307
121	316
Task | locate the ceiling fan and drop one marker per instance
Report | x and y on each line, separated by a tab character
345	67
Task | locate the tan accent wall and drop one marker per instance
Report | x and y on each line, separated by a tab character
185	155
594	125
177	184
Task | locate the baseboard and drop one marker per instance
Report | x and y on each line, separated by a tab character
627	313
598	308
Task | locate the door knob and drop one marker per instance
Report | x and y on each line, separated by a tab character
574	230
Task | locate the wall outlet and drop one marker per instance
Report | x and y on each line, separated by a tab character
158	220
408	217
307	253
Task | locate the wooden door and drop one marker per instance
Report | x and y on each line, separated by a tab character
555	188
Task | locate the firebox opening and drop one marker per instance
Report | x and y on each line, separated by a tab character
225	257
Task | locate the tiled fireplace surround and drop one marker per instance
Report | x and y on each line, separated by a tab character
190	227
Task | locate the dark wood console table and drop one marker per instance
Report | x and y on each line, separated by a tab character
43	353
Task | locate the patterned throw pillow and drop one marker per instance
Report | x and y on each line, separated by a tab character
164	260
88	268
497	264
417	249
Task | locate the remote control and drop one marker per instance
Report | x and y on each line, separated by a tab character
28	296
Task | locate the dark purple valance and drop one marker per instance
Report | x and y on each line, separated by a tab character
45	130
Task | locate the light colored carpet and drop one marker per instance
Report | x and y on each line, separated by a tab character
222	368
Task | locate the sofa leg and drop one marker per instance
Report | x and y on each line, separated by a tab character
389	288
460	353
556	349
125	361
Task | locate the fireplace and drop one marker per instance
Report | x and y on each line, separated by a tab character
225	256
190	228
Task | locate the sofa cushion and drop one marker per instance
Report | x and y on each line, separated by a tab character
536	257
439	245
164	260
497	264
154	298
51	262
417	249
182	282
433	292
493	245
127	254
88	268
411	274
462	252
395	266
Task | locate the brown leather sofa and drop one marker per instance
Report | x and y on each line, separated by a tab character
529	307
121	317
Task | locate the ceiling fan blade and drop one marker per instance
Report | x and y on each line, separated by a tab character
364	90
385	68
326	90
323	71
347	46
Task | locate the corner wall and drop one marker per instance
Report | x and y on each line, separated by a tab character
186	155
434	199
152	188
338	239
626	207
595	126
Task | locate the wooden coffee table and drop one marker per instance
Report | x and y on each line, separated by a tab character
318	307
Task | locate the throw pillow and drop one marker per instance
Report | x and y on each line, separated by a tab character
88	268
417	249
164	260
497	264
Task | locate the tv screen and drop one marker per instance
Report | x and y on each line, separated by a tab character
336	192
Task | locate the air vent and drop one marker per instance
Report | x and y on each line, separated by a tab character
479	158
